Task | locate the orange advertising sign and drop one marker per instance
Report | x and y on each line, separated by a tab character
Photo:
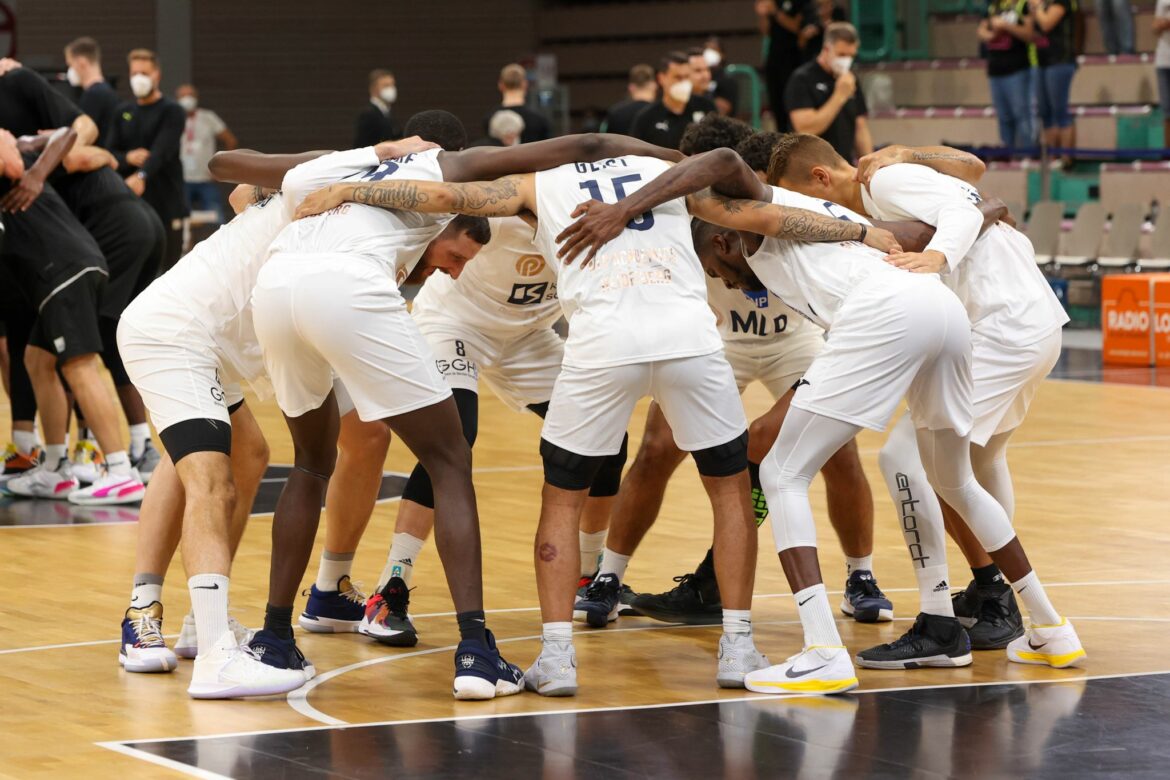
1126	319
1161	320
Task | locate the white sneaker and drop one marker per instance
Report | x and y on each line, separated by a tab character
229	671
142	648
1056	646
738	656
110	489
42	483
87	462
187	645
815	669
554	672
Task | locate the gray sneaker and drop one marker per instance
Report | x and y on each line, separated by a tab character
737	657
148	462
554	673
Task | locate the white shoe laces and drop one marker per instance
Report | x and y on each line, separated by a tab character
148	629
354	593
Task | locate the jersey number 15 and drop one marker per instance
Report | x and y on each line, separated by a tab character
643	222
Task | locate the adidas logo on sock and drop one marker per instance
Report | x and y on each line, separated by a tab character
941	587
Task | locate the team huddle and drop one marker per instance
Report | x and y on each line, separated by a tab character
683	277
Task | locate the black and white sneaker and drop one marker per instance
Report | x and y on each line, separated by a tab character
601	601
694	601
933	640
990	615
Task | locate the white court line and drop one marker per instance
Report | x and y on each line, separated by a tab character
1089	584
178	766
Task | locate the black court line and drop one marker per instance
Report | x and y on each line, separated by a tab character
1112	727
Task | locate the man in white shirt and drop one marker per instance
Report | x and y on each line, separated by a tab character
1016	322
890	334
204	129
639	325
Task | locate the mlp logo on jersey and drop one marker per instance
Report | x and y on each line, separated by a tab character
530	265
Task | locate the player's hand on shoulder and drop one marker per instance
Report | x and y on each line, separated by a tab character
597	224
322	200
390	150
873	162
928	262
882	239
23	193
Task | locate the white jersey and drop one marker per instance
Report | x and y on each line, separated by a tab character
507	290
643	297
390	239
816	278
214	283
753	322
995	275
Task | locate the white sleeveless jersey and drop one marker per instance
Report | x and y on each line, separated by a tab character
508	289
1007	298
643	297
393	240
214	282
750	321
815	278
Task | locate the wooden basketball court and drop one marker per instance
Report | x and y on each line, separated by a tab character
1093	510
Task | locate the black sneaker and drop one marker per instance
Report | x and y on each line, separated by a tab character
601	600
270	649
864	600
933	640
626	606
999	620
966	604
694	601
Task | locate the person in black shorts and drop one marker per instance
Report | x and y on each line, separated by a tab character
60	270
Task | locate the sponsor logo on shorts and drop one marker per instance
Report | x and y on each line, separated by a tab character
458	367
528	294
530	265
59	344
217	393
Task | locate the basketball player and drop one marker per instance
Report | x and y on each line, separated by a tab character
1016	323
494	322
891	333
324	265
639	325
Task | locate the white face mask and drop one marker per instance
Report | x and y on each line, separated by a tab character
713	57
72	77
141	85
189	102
841	64
681	90
389	95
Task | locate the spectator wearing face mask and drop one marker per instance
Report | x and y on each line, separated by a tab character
145	139
722	88
664	121
375	123
824	99
204	129
98	99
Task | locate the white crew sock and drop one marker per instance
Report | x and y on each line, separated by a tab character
54	454
147	590
865	563
209	602
25	441
614	563
817	617
118	463
139	436
333	567
404	552
591	547
934	591
1031	592
557	632
737	621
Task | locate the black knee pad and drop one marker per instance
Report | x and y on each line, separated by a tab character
203	435
568	470
609	476
418	488
723	460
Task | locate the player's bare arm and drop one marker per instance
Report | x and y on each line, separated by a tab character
504	197
80	159
247	166
487	162
25	192
944	159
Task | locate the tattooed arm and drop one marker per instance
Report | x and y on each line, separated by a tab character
944	159
500	198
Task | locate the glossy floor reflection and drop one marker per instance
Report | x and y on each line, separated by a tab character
1098	728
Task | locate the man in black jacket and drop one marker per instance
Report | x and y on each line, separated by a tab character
376	122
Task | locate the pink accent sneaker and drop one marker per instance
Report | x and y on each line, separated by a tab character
110	489
40	482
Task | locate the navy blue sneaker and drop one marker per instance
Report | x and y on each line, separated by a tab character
864	600
334	611
601	601
482	673
279	653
